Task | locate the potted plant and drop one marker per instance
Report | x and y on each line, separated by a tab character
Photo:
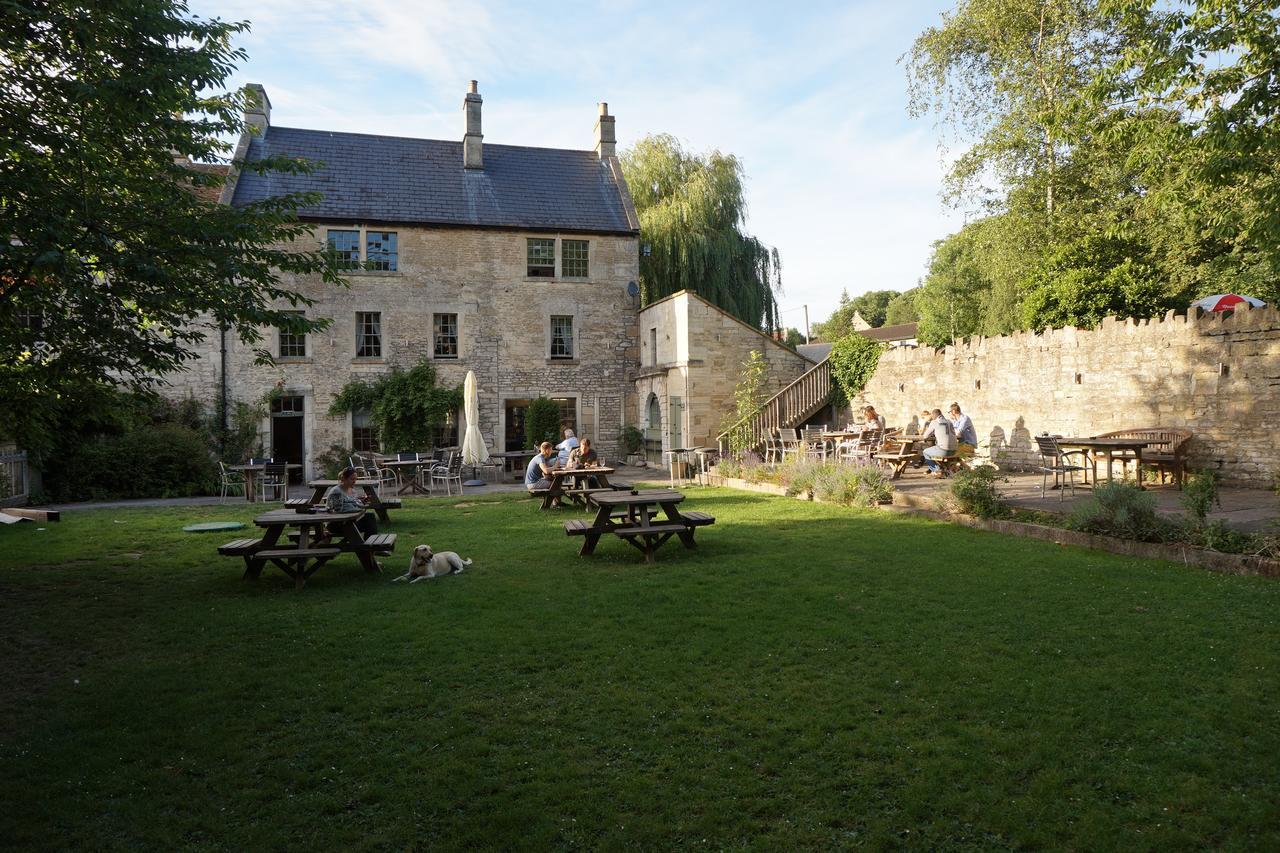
632	441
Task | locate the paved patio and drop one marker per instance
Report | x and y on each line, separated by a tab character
1244	509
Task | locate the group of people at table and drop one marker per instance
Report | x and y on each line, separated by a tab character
570	454
952	434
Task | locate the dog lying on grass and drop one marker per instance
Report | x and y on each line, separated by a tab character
427	564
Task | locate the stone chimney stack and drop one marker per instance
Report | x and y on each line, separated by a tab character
257	108
606	142
473	139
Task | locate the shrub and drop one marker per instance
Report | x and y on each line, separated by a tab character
797	476
1124	510
1200	493
853	362
975	492
631	439
852	485
333	460
164	460
1217	536
406	405
542	422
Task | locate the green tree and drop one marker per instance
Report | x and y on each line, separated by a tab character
1097	277
692	213
793	338
901	309
112	268
542	422
871	306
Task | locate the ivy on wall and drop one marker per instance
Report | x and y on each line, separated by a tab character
406	405
853	362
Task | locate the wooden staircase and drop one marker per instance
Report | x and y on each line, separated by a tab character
787	409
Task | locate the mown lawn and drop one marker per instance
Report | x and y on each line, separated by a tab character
811	677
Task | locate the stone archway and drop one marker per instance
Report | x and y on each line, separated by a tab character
653	430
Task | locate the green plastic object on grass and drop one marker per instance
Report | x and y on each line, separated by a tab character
213	526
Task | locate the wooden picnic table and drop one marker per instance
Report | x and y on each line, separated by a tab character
370	488
559	475
632	516
251	473
1108	447
898	460
409	484
303	558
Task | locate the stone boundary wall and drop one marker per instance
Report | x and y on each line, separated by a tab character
1217	375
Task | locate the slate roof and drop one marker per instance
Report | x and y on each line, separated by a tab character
815	351
391	179
889	334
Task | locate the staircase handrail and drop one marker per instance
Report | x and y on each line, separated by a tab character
819	374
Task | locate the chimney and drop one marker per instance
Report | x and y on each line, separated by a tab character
605	140
257	107
473	139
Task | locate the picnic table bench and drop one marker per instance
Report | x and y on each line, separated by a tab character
296	554
558	489
632	517
370	487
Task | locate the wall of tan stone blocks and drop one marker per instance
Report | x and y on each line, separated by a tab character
1217	375
504	332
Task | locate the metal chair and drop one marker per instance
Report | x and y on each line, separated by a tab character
450	472
1053	460
788	443
384	476
815	446
232	481
275	478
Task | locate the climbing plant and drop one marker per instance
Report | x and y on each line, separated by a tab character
406	405
542	422
853	362
748	397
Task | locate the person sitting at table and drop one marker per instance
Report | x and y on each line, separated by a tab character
585	456
567	446
537	475
871	419
343	498
944	441
966	434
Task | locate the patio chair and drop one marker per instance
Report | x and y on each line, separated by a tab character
274	485
772	449
1054	460
815	446
385	477
448	473
232	481
788	443
260	460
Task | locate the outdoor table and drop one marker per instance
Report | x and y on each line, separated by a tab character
370	488
559	475
251	473
678	455
309	559
507	455
1107	447
409	484
904	456
636	525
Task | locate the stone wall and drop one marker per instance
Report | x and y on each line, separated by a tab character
504	333
1217	375
697	361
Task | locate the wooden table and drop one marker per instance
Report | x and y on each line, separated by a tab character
301	560
251	473
507	455
559	475
370	487
1107	447
632	517
898	460
409	485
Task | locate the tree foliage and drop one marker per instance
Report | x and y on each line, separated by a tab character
902	309
406	405
748	396
853	362
112	268
692	213
542	422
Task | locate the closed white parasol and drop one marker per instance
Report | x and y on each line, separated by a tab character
474	451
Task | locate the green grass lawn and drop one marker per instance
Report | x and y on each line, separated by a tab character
811	676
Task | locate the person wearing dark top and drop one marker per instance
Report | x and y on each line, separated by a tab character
343	498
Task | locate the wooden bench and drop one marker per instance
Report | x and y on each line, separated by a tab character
577	528
298	504
621	487
1167	452
383	543
392	503
897	461
294	561
583	495
239	547
697	519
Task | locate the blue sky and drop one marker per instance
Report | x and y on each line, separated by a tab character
809	95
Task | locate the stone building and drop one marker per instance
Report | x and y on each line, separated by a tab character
691	355
516	262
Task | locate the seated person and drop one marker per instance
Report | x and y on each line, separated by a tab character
944	438
966	434
343	498
537	475
585	456
872	419
566	447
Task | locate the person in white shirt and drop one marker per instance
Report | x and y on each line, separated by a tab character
966	434
944	437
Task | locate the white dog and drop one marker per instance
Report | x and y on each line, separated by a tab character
426	564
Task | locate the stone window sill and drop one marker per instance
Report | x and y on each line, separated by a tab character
445	358
293	359
372	273
568	361
368	360
557	280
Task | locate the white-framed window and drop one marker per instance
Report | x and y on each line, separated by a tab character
368	334
444	335
562	336
291	345
574	258
541	257
363	249
364	432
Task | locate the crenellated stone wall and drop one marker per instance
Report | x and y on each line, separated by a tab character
1217	375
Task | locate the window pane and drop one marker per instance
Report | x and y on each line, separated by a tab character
291	345
446	434
380	250
368	334
568	412
364	434
445	334
573	261
344	246
562	337
542	257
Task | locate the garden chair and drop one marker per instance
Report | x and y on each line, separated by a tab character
788	443
1054	460
385	477
772	449
815	446
274	485
232	481
448	473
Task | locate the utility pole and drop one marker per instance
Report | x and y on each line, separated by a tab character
806	324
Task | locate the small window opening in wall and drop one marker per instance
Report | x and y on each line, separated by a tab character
902	388
977	384
1077	378
1224	369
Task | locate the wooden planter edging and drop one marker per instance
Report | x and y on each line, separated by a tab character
1233	564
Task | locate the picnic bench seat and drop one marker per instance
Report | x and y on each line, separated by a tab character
577	527
697	519
298	504
1167	452
898	460
297	553
392	503
239	547
621	487
384	542
653	529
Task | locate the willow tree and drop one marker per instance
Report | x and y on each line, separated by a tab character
692	214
